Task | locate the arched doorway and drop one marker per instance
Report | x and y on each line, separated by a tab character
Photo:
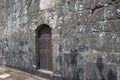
44	49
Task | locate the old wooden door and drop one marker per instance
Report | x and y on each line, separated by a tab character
44	48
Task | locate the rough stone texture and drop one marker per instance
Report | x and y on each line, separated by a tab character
85	36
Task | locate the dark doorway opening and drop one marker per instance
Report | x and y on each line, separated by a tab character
43	47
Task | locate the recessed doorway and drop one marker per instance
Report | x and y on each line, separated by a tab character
44	49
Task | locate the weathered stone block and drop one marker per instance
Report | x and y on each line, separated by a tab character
110	12
18	22
87	4
24	7
16	36
18	8
117	24
70	18
114	58
101	41
82	28
109	26
101	71
82	42
99	3
69	42
96	26
105	13
105	26
36	5
71	65
93	56
118	9
61	8
83	17
99	14
73	5
117	42
46	4
31	6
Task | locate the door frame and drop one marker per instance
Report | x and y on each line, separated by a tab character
37	45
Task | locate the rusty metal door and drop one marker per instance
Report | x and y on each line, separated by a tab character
45	51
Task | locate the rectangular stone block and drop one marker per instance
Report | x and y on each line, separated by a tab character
46	4
100	3
118	9
107	26
117	24
105	13
73	4
101	41
69	42
70	18
79	41
36	5
73	69
87	4
117	42
31	6
99	14
114	58
110	12
82	42
83	17
101	71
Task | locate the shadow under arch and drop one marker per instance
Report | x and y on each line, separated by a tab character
42	25
43	47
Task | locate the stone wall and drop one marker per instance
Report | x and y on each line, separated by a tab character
90	39
2	25
85	36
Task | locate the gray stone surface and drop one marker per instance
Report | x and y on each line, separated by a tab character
84	32
101	71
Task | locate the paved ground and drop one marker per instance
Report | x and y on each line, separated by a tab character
17	75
